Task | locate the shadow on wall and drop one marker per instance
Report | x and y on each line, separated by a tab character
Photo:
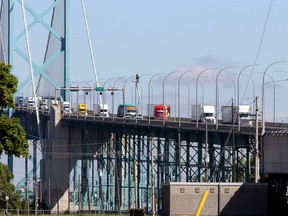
278	194
248	199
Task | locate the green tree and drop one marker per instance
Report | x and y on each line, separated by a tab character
12	135
8	189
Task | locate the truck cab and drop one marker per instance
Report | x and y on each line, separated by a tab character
244	116
65	107
82	109
44	104
208	114
19	101
30	102
100	110
161	112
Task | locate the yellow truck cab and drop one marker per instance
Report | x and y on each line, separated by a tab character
82	109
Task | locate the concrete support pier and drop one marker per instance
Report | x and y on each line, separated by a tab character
56	164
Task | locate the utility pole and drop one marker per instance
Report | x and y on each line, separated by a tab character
233	144
136	183
256	143
206	152
153	180
137	78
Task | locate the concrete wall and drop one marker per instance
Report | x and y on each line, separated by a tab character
275	151
223	199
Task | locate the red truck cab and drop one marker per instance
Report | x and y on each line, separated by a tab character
161	111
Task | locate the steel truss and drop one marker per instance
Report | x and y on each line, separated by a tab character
115	171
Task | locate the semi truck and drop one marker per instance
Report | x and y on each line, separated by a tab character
30	102
158	111
100	110
244	114
205	113
80	109
126	111
43	104
65	107
241	115
19	101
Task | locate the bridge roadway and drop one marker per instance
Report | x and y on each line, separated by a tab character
113	157
173	123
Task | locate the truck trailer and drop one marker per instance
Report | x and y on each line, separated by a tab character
228	113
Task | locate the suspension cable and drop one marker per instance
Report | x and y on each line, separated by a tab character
90	47
259	48
31	72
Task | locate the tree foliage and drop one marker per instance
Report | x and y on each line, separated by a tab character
8	86
12	135
8	189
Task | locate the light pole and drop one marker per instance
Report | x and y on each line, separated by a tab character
87	88
149	87
238	82
274	92
124	87
238	90
217	93
113	89
263	101
188	99
163	119
202	96
202	93
197	93
137	84
234	84
179	110
272	81
104	93
74	87
100	93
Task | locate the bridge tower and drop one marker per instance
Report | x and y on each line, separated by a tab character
48	30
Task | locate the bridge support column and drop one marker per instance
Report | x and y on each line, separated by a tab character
56	164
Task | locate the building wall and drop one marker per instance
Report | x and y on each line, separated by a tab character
275	151
223	198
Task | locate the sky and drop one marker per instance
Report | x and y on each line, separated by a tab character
151	37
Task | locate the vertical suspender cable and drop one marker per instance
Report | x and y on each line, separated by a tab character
90	47
31	72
